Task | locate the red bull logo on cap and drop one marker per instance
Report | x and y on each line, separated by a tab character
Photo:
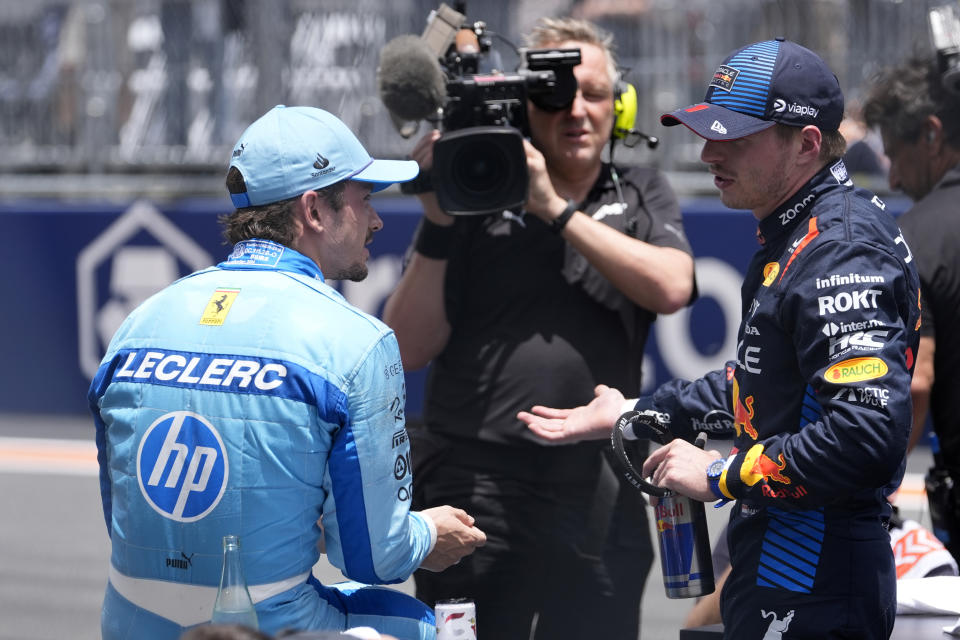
724	77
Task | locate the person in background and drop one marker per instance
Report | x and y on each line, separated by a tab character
819	393
545	302
919	122
251	399
864	157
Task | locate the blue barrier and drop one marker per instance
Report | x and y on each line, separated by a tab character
74	270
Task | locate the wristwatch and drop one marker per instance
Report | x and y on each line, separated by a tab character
714	471
558	223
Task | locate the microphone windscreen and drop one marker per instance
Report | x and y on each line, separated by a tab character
409	78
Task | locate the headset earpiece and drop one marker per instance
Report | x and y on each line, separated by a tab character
624	110
625	117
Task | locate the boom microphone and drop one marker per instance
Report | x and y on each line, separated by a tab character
410	80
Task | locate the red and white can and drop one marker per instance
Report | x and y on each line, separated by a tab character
456	619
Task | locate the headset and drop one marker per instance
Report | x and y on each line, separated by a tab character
625	117
624	127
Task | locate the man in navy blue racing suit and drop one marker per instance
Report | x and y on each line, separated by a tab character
819	396
251	399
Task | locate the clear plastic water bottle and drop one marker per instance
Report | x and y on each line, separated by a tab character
233	605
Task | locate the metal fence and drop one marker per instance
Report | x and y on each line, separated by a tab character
164	87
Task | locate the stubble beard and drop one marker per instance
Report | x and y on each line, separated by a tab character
765	188
355	273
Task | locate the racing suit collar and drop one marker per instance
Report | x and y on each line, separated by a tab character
796	209
267	255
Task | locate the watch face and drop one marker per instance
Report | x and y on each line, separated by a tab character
715	468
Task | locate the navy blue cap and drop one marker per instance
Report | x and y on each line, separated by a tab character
763	84
292	150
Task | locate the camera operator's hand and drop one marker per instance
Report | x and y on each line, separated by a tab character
422	152
543	200
656	278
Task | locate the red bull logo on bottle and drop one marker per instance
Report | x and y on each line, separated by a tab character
684	547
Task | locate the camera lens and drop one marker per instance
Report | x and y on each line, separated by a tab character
480	170
480	166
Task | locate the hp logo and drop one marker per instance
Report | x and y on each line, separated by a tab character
182	466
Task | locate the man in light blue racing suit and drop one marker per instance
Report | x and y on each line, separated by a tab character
251	399
818	400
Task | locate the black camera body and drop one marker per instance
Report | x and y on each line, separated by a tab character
479	164
500	99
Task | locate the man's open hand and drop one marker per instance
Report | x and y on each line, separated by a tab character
591	422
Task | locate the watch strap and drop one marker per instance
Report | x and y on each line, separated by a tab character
714	479
718	482
557	224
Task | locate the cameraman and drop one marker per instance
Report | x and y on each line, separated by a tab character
919	122
518	308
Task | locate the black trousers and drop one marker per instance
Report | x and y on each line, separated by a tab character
540	566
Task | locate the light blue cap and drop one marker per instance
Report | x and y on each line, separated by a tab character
292	150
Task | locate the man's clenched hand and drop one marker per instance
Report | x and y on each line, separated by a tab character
456	537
